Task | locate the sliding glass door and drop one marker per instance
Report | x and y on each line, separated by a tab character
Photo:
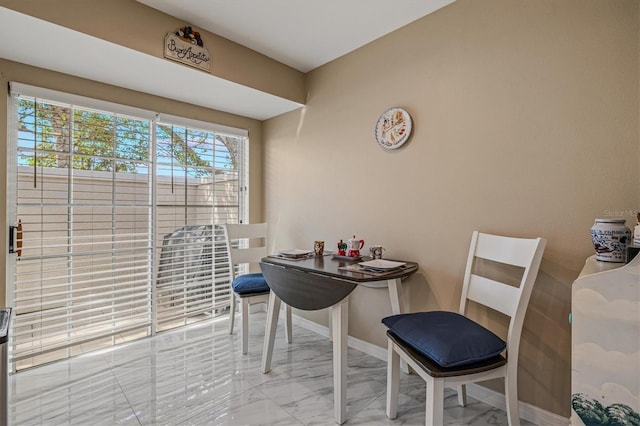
116	218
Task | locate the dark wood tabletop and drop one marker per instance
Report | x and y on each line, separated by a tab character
327	265
318	282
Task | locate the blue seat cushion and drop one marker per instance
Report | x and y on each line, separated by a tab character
448	338
250	283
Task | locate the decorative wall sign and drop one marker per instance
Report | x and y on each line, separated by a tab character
186	46
393	128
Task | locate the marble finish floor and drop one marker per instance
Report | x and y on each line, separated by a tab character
198	376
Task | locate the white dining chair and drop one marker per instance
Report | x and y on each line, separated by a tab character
448	349
246	245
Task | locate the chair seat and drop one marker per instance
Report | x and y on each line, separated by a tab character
447	338
250	284
437	371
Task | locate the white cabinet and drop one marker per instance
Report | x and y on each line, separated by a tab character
605	341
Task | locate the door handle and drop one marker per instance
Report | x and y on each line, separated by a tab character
15	239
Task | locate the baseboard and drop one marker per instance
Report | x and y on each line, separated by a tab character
352	342
310	325
528	412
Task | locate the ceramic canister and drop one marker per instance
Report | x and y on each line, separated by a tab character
610	238
375	252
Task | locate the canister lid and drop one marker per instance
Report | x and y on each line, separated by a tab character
609	220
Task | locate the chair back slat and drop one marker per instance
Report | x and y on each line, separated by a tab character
509	250
494	294
241	245
512	301
246	230
248	255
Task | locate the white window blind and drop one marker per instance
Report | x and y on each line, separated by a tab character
198	187
83	203
117	220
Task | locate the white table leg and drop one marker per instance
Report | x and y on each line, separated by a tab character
394	295
273	312
287	325
340	325
396	307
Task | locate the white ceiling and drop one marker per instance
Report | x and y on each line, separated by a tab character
100	60
302	34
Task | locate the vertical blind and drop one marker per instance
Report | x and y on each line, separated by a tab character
118	220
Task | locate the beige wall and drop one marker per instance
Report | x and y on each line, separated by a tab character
525	123
12	71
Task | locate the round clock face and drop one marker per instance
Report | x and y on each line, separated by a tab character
393	128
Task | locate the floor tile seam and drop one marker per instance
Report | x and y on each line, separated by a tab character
382	394
293	416
124	394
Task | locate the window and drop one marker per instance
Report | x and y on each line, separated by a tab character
117	211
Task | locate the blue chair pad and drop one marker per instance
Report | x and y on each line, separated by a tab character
448	338
250	283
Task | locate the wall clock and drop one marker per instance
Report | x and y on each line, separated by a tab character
393	128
